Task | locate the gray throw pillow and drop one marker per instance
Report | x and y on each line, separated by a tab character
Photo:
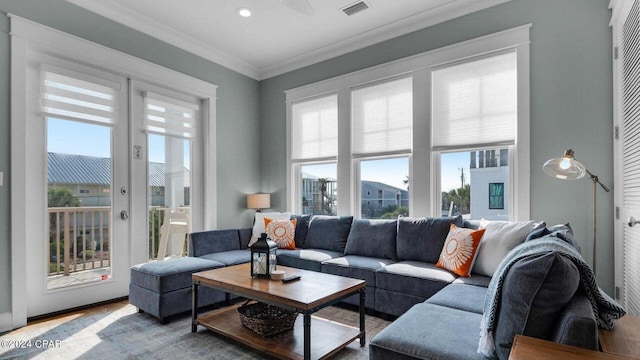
421	239
534	292
328	232
372	238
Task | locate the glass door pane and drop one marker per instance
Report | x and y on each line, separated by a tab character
169	194
79	189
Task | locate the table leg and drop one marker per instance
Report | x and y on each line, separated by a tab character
194	307
307	335
362	328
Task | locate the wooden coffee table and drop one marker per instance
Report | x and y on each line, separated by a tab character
311	293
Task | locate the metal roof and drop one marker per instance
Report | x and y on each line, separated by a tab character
91	170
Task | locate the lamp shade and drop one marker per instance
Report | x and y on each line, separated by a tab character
565	167
258	201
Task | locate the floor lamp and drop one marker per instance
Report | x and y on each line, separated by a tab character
568	168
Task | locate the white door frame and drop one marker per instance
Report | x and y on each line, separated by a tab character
27	37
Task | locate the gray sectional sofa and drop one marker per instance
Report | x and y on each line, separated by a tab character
439	313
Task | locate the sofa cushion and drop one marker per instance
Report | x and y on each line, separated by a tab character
228	258
474	279
534	292
460	250
308	259
421	239
302	227
413	278
460	296
498	239
429	331
206	242
328	232
169	275
354	266
373	238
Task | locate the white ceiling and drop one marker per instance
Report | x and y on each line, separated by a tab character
276	39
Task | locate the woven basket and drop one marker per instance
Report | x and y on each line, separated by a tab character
266	320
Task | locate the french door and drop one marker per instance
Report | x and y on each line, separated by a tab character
99	141
78	135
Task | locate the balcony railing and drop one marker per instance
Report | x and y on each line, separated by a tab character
79	239
89	228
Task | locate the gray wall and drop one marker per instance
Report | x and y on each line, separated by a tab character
571	104
237	110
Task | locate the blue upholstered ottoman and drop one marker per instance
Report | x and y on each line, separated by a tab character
163	288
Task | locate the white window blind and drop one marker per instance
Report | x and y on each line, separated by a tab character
382	117
72	98
169	117
475	103
314	127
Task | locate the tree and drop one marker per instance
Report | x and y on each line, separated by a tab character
394	211
460	197
61	198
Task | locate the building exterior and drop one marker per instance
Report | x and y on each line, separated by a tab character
88	178
489	177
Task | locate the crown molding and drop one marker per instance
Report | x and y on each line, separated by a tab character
442	13
144	24
445	12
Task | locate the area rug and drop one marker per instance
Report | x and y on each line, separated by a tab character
118	331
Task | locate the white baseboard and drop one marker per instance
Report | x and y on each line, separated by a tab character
6	322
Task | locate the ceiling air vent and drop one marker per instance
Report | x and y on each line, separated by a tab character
355	8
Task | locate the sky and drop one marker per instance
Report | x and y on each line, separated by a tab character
72	137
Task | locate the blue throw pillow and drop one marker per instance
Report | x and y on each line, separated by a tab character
328	232
422	239
560	231
372	238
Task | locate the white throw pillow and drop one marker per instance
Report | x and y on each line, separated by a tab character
499	238
258	225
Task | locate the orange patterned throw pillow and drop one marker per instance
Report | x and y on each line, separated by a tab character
282	232
460	250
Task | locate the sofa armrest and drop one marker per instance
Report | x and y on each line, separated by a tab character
213	241
577	324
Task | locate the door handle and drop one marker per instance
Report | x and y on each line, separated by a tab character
124	215
632	221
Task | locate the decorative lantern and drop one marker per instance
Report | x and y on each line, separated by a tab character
263	257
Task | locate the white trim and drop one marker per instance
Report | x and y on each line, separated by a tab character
50	40
135	20
423	163
28	37
19	192
497	41
5	322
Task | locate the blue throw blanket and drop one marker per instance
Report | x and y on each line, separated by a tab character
605	308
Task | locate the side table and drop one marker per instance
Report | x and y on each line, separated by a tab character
528	348
624	339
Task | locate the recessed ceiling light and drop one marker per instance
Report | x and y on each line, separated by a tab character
244	12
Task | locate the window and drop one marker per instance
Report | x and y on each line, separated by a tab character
474	106
496	195
471	103
319	192
382	117
386	178
314	149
